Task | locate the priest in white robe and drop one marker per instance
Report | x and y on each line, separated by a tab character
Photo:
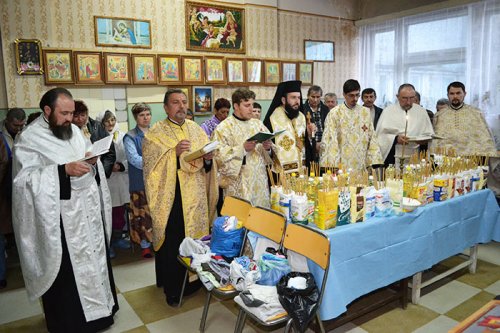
403	127
349	139
285	114
62	221
462	126
242	163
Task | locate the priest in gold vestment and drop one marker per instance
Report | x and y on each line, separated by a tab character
349	138
242	163
284	114
182	196
463	126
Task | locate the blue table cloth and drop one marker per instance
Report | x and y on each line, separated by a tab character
373	254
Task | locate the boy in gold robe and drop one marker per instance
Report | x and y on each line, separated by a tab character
242	163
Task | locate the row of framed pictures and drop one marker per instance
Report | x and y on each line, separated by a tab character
94	68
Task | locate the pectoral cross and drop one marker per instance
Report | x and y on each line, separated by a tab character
308	117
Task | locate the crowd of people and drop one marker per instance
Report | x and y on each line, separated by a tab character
69	209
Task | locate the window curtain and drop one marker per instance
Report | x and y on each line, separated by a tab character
433	49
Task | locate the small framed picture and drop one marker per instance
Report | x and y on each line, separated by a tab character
289	70
306	73
188	90
58	66
117	68
122	32
235	71
215	70
88	67
144	69
28	54
169	69
202	100
319	50
255	71
192	70
273	72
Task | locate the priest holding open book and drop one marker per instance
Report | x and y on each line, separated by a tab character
244	152
182	195
284	114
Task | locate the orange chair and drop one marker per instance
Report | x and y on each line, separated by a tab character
263	221
232	206
312	244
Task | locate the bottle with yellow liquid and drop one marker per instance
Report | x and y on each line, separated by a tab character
407	181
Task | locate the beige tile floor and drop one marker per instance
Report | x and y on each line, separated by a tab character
143	307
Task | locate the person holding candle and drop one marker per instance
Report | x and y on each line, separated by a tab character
403	127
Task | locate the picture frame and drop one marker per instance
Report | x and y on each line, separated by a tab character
236	71
255	72
215	28
215	70
117	68
188	90
319	50
28	54
58	67
305	72
144	70
169	69
203	100
272	72
192	70
289	70
122	32
88	67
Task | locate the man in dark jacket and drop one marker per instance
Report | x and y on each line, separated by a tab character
369	96
94	131
315	112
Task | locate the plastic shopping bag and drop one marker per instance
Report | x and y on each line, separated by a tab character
272	268
301	304
226	243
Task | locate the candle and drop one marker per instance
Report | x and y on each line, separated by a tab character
406	130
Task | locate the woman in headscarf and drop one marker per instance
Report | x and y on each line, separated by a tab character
118	182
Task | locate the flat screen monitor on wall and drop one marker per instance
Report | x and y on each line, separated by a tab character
319	50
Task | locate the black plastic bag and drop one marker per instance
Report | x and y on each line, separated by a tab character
301	304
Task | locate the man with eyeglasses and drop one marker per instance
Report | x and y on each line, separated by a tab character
349	138
403	124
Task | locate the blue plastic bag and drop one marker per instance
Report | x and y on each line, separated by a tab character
272	268
224	243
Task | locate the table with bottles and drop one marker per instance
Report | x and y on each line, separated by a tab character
382	250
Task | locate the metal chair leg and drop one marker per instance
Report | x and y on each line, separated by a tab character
240	323
320	323
183	287
205	311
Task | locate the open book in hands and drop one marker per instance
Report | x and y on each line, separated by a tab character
209	147
264	136
99	148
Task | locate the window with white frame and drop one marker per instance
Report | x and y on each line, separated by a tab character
433	49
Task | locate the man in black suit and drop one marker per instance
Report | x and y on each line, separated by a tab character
369	96
315	112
